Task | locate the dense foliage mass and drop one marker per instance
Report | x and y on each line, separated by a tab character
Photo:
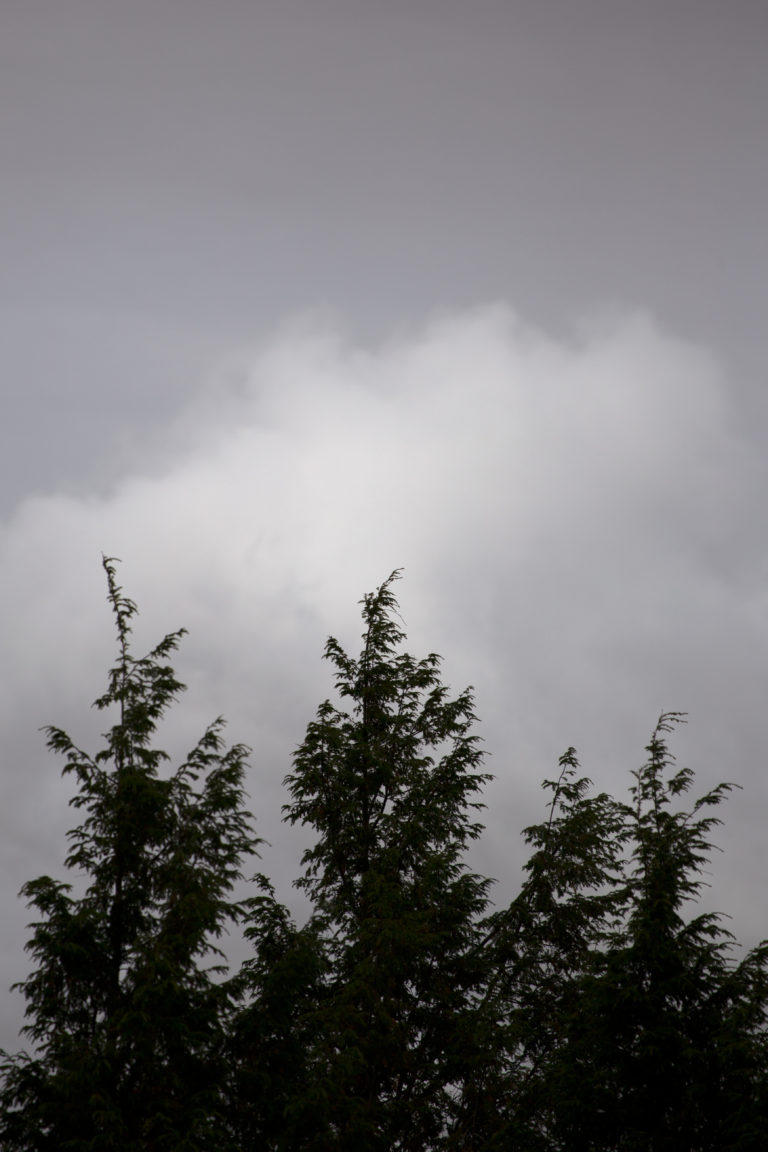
597	1012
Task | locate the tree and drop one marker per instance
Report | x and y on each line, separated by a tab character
622	1023
663	1046
387	782
536	951
271	1045
600	1011
126	1010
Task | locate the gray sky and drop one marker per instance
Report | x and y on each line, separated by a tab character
296	293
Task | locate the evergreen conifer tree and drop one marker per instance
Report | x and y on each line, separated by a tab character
664	1044
598	1012
386	780
125	1008
535	952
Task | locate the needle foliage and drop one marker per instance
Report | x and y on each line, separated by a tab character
125	1007
600	1010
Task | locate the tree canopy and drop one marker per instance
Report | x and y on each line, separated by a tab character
598	1011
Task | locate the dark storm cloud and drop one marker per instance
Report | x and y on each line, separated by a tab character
179	177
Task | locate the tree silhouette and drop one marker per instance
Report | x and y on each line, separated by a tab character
124	1008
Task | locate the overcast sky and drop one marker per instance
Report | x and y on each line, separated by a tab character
295	292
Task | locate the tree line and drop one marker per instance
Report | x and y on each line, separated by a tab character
599	1011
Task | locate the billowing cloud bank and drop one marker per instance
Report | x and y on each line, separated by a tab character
579	527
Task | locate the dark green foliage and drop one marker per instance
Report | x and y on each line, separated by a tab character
540	946
600	1011
271	1043
621	1022
123	1008
386	782
663	1043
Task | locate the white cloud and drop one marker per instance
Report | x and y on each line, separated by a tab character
577	523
